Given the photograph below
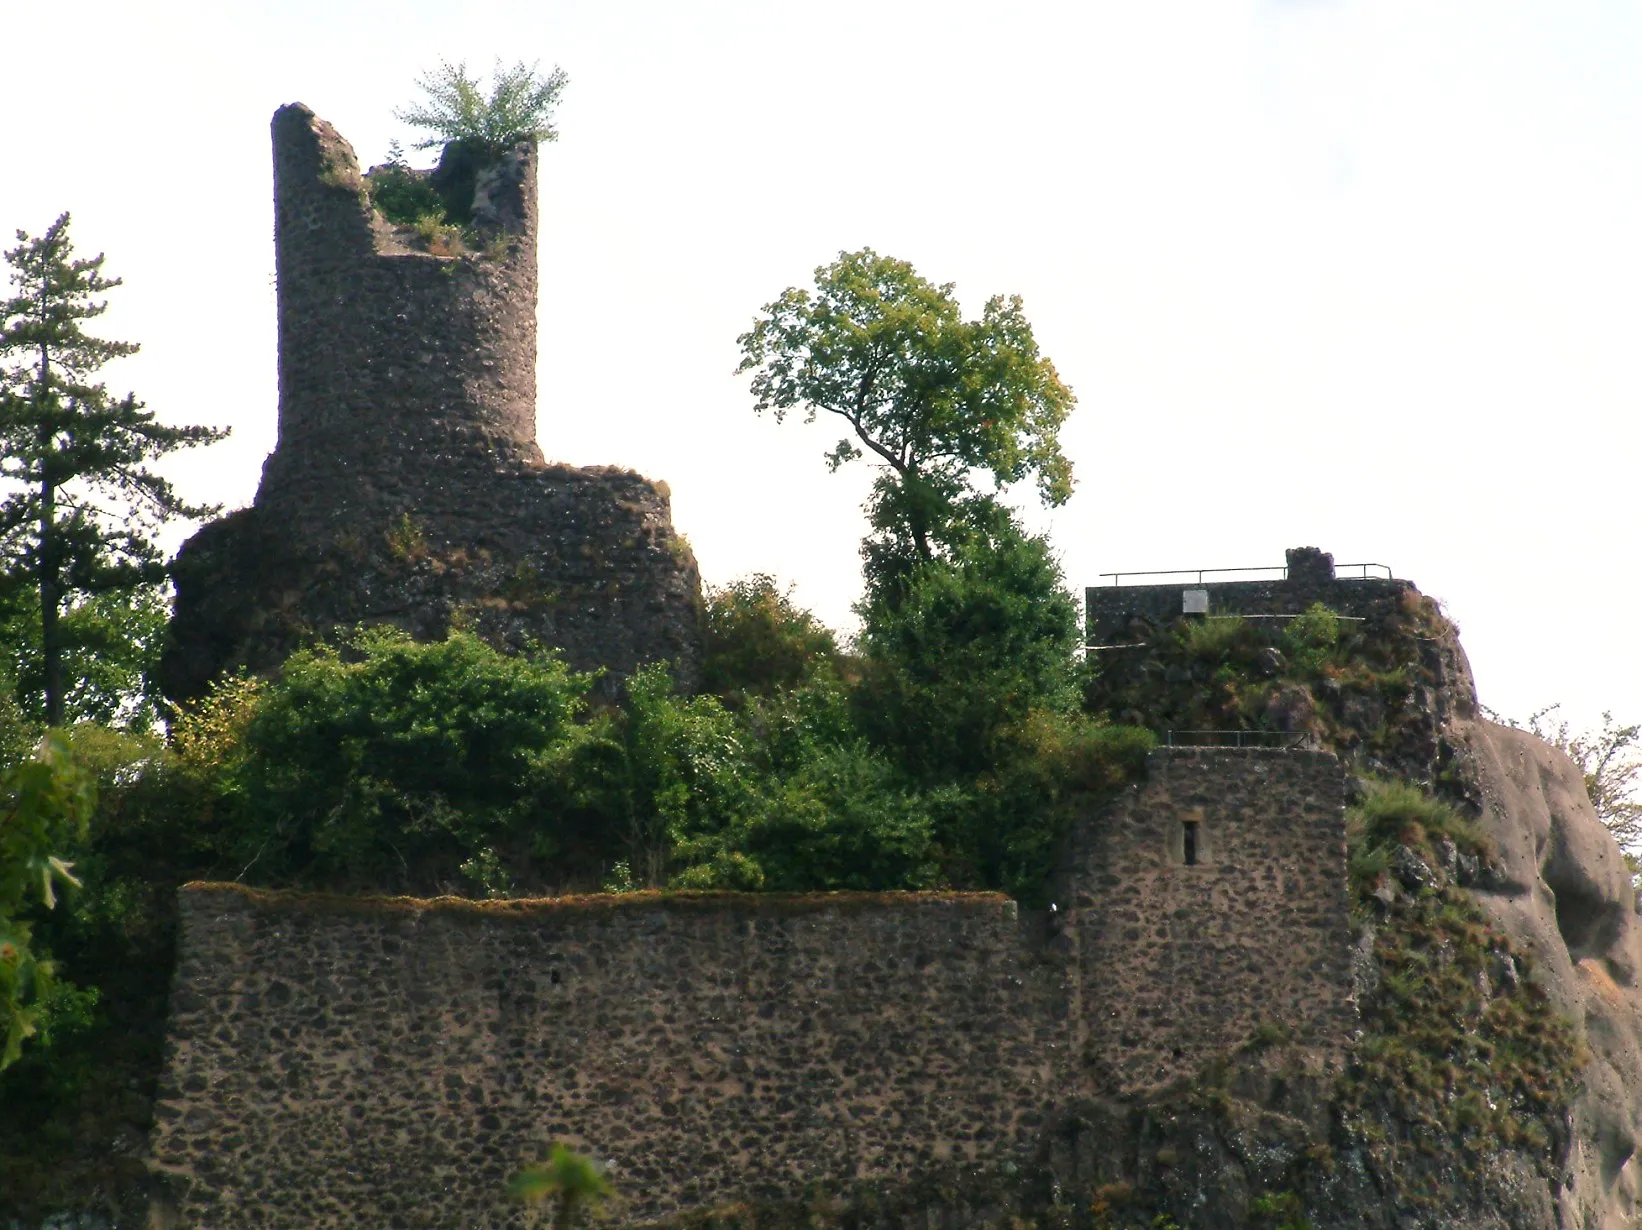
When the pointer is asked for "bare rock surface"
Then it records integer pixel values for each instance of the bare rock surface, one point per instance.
(1567, 895)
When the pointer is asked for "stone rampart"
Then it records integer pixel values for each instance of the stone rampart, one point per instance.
(339, 1062)
(347, 1063)
(1209, 902)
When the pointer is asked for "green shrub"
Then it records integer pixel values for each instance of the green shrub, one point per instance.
(660, 771)
(519, 106)
(1312, 638)
(1395, 812)
(400, 194)
(960, 652)
(756, 642)
(388, 763)
(845, 819)
(45, 807)
(1213, 638)
(1100, 756)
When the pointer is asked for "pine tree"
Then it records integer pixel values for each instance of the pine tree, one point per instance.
(82, 504)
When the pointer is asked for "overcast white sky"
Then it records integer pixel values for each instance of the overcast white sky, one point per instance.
(1359, 274)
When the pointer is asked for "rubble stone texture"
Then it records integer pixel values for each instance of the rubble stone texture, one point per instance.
(407, 487)
(1184, 961)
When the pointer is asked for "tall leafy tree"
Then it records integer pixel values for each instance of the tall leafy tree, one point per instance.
(936, 400)
(83, 503)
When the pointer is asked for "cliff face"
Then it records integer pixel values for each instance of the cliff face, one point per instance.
(1567, 897)
(1560, 890)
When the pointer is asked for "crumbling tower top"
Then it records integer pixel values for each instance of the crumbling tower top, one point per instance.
(395, 362)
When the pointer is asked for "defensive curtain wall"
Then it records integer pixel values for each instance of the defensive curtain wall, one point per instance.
(407, 486)
(338, 1062)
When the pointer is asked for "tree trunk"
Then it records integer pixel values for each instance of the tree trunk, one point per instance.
(51, 651)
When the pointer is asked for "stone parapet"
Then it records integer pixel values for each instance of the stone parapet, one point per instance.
(1117, 614)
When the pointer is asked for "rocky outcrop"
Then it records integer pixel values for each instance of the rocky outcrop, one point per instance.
(1567, 897)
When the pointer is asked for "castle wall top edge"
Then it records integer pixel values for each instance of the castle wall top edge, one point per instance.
(287, 900)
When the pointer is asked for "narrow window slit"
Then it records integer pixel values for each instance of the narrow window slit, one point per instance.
(1189, 842)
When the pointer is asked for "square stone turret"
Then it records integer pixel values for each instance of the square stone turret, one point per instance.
(407, 486)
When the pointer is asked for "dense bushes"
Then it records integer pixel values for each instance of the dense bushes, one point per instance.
(390, 763)
(938, 757)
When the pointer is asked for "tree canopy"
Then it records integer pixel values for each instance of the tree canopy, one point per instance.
(83, 503)
(935, 399)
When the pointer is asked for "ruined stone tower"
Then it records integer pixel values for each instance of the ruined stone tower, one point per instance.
(407, 486)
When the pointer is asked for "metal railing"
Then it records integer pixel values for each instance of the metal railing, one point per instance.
(1230, 738)
(1276, 572)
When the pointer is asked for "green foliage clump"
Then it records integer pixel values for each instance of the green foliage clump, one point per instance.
(757, 642)
(109, 646)
(572, 1180)
(1313, 639)
(1215, 638)
(957, 654)
(1394, 812)
(657, 770)
(1278, 1211)
(45, 808)
(388, 762)
(841, 817)
(410, 198)
(400, 193)
(518, 107)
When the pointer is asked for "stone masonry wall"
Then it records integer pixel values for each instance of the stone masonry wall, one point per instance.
(339, 1062)
(407, 487)
(1180, 962)
(1117, 613)
(394, 359)
(390, 1064)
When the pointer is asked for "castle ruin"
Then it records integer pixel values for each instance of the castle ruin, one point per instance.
(335, 1062)
(338, 1062)
(407, 487)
